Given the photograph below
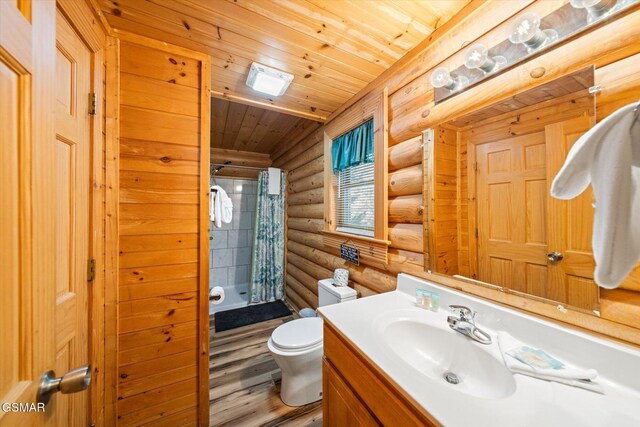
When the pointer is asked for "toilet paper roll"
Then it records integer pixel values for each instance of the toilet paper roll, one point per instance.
(216, 295)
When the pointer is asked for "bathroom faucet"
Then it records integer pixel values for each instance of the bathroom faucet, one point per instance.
(466, 325)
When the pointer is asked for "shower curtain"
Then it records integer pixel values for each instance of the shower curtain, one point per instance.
(267, 264)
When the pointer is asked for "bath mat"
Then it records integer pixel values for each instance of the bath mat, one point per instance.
(231, 319)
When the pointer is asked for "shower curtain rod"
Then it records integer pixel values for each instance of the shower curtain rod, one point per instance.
(222, 165)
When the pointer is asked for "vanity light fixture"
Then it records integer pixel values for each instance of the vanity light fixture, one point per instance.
(595, 8)
(527, 35)
(268, 80)
(442, 78)
(526, 30)
(478, 57)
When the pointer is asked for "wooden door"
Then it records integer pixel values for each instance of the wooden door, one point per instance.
(26, 264)
(512, 213)
(72, 159)
(571, 221)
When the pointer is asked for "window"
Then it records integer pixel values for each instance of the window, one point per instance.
(355, 179)
(355, 199)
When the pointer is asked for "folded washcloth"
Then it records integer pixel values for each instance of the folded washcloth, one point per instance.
(521, 359)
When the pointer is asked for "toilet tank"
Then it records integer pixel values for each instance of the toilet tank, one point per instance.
(329, 294)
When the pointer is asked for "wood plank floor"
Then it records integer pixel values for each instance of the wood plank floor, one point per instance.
(244, 381)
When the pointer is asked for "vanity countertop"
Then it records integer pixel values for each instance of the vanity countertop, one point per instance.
(485, 396)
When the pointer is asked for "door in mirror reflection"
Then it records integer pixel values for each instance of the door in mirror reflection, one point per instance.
(511, 182)
(526, 240)
(570, 225)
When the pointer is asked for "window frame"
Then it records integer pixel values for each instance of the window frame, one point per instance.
(351, 228)
(374, 106)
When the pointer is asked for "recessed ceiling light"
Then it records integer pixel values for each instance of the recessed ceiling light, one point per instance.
(268, 80)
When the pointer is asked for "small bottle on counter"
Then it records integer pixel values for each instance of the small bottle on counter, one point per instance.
(427, 300)
(435, 301)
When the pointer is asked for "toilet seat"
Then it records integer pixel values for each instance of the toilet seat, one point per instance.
(299, 334)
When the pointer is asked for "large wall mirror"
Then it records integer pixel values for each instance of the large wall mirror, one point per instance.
(491, 218)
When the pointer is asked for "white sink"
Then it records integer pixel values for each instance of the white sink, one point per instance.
(415, 347)
(445, 356)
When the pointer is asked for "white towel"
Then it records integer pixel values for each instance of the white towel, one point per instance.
(568, 375)
(608, 157)
(274, 181)
(220, 206)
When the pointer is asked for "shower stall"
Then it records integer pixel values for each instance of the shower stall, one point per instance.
(247, 253)
(232, 244)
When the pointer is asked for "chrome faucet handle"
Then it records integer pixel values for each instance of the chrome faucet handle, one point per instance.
(466, 314)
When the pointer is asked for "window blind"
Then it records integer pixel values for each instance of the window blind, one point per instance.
(355, 199)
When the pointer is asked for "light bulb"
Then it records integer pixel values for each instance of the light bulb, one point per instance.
(442, 78)
(595, 8)
(478, 57)
(526, 30)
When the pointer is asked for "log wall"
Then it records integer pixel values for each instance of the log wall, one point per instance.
(308, 260)
(612, 48)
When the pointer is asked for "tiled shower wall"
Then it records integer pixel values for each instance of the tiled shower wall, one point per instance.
(231, 244)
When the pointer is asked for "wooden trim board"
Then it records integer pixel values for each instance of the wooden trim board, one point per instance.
(267, 106)
(112, 185)
(203, 255)
(428, 197)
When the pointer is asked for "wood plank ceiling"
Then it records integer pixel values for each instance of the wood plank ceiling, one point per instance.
(332, 47)
(236, 126)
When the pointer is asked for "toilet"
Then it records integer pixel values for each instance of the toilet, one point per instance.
(296, 347)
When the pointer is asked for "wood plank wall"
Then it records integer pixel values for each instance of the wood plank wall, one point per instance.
(614, 50)
(163, 151)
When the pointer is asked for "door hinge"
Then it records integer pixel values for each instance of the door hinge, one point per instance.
(91, 270)
(475, 166)
(476, 232)
(93, 103)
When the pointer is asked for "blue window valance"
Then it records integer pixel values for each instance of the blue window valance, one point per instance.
(353, 148)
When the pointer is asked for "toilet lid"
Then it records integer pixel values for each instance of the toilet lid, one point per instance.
(298, 334)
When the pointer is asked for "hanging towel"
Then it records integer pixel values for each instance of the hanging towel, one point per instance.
(274, 181)
(536, 363)
(608, 157)
(220, 206)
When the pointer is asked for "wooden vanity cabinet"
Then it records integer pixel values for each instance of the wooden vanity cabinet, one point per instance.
(357, 393)
(342, 407)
